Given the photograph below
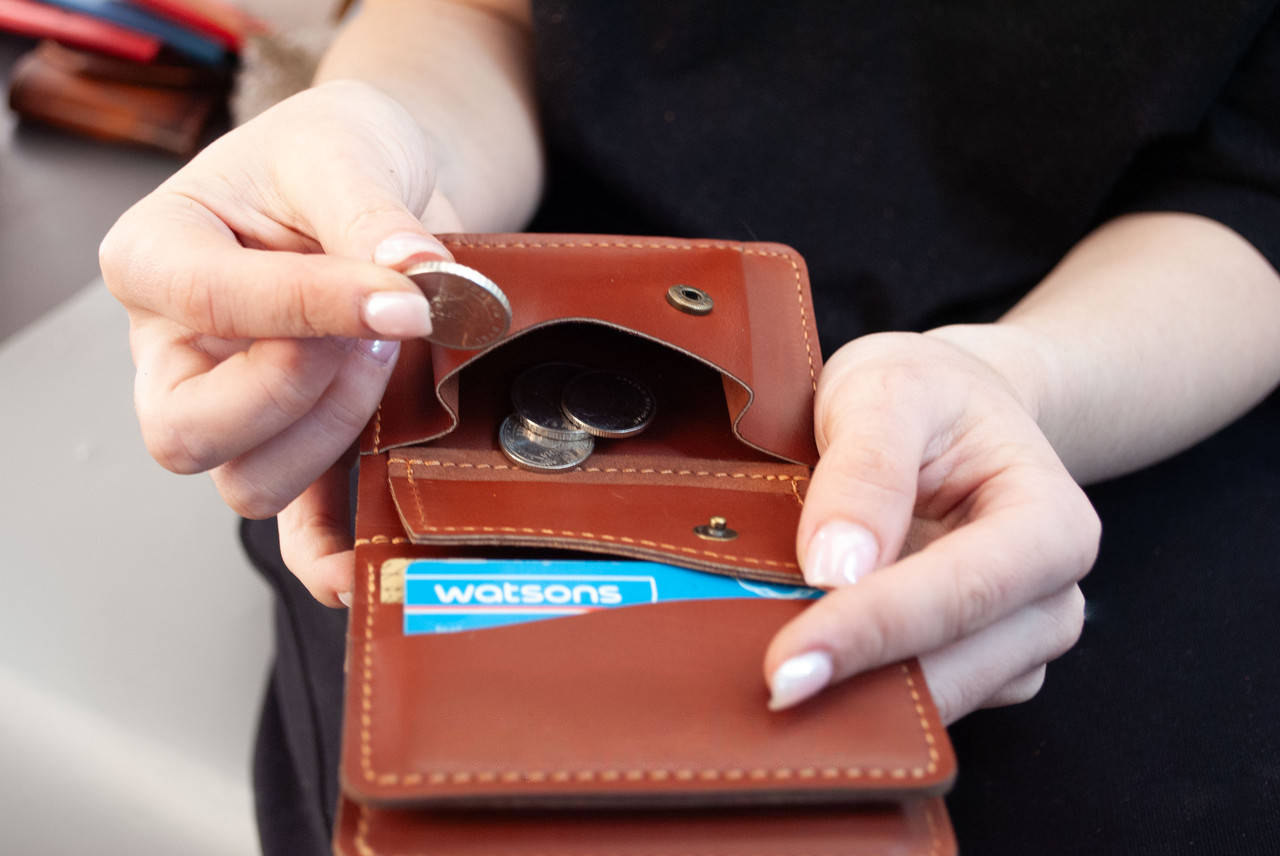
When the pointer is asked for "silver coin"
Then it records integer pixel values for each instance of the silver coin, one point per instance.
(608, 404)
(468, 310)
(536, 396)
(535, 452)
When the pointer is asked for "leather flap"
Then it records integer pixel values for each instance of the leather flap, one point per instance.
(643, 508)
(760, 337)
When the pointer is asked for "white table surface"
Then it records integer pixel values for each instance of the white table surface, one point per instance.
(134, 636)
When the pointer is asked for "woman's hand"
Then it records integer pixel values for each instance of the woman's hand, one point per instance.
(945, 524)
(264, 306)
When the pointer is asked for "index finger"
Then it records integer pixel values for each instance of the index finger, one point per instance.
(172, 256)
(1036, 533)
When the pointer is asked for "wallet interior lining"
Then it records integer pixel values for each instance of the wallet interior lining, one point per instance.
(692, 418)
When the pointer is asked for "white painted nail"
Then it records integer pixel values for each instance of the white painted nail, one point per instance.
(344, 597)
(840, 553)
(398, 314)
(402, 247)
(799, 678)
(381, 351)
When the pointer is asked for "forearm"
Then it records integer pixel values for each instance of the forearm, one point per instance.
(1155, 331)
(465, 72)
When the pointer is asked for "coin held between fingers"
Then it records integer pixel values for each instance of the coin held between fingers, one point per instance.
(468, 310)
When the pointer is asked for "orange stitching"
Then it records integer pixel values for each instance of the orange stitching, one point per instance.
(650, 245)
(463, 465)
(795, 491)
(377, 428)
(366, 690)
(383, 539)
(591, 245)
(534, 776)
(934, 841)
(606, 538)
(929, 743)
(362, 833)
(417, 497)
(538, 776)
(804, 318)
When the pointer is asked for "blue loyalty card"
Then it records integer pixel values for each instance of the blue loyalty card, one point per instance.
(451, 595)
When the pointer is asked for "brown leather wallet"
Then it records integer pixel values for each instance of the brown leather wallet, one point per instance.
(640, 729)
(94, 96)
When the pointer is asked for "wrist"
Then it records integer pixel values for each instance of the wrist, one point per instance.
(1016, 355)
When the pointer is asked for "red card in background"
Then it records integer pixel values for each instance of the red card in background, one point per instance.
(28, 18)
(219, 20)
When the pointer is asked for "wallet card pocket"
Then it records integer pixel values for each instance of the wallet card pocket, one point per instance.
(659, 704)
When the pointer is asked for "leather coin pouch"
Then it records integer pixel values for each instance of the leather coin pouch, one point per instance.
(617, 713)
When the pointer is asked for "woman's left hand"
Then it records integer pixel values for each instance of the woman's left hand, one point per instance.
(938, 495)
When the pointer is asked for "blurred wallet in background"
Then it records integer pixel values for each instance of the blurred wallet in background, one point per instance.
(157, 104)
(635, 730)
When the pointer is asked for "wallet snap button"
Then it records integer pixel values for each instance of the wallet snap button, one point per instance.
(688, 299)
(716, 529)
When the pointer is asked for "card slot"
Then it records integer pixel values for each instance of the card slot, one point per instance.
(628, 706)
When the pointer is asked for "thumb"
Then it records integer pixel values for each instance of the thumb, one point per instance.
(368, 222)
(365, 218)
(372, 209)
(859, 504)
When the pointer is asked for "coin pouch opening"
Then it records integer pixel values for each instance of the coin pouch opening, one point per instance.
(733, 435)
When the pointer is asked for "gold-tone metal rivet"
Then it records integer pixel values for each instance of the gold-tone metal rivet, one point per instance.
(686, 298)
(716, 529)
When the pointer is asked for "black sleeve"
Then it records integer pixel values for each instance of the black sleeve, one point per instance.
(1229, 168)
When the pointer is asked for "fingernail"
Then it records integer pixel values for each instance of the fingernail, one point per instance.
(381, 351)
(799, 678)
(840, 553)
(396, 250)
(344, 597)
(398, 314)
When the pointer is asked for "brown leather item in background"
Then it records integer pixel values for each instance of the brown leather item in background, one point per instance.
(163, 71)
(602, 722)
(47, 89)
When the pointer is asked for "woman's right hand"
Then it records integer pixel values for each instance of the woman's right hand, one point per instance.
(265, 309)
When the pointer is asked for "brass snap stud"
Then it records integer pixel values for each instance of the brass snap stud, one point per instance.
(716, 529)
(686, 298)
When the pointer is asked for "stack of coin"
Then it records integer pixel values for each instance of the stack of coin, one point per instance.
(560, 408)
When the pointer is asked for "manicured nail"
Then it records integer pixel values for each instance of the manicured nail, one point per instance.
(381, 351)
(344, 597)
(398, 314)
(402, 247)
(840, 553)
(799, 678)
